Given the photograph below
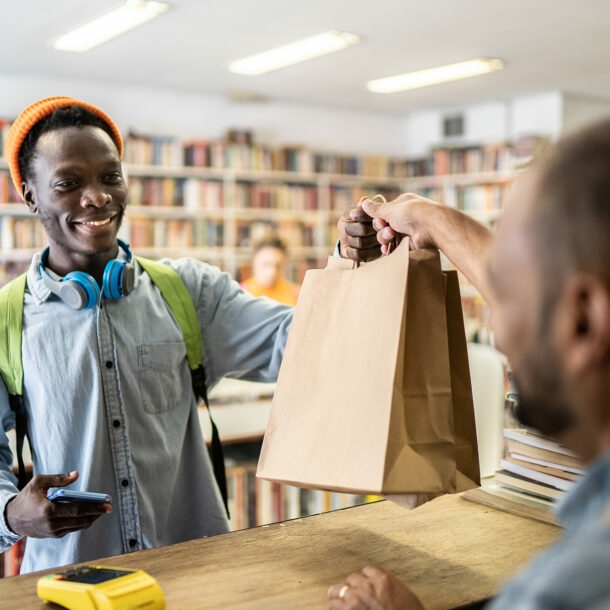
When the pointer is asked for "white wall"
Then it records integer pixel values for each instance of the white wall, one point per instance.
(578, 111)
(539, 114)
(482, 122)
(189, 115)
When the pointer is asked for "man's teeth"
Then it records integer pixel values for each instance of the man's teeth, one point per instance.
(97, 223)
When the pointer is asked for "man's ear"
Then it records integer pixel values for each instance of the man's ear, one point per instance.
(29, 197)
(584, 322)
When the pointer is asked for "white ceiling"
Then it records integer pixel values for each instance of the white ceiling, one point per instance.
(546, 45)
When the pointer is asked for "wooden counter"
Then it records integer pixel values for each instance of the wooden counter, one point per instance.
(450, 551)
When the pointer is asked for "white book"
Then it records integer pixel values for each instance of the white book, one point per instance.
(517, 495)
(536, 475)
(536, 441)
(539, 462)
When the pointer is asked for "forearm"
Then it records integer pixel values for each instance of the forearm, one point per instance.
(464, 241)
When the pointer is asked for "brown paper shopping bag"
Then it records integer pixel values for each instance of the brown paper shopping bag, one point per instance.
(363, 401)
(466, 448)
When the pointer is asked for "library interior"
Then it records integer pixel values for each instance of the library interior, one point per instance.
(295, 285)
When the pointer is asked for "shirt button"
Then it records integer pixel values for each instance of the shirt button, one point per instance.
(124, 482)
(116, 423)
(108, 364)
(133, 542)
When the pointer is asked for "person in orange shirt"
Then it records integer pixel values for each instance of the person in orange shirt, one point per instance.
(268, 272)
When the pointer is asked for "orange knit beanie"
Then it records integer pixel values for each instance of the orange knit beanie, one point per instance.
(33, 114)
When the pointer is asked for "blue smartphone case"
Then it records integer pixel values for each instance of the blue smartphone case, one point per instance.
(71, 495)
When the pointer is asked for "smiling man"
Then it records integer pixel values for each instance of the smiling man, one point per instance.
(107, 386)
(546, 277)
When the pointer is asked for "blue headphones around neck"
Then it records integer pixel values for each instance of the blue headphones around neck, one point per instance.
(78, 290)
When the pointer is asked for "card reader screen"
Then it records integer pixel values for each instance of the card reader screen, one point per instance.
(92, 575)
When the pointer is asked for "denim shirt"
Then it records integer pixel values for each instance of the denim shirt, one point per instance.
(108, 392)
(573, 574)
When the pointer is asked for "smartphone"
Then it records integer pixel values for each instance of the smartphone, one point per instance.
(71, 495)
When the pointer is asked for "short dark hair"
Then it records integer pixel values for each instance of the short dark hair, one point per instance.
(68, 116)
(570, 218)
(270, 242)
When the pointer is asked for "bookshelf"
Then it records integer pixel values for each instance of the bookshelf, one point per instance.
(241, 410)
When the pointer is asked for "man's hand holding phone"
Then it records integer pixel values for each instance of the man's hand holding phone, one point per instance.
(32, 513)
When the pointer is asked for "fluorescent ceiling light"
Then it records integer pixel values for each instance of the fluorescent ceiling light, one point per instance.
(293, 53)
(434, 76)
(114, 23)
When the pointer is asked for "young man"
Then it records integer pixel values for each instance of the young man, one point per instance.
(546, 276)
(107, 385)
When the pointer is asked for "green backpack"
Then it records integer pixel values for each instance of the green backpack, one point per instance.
(175, 293)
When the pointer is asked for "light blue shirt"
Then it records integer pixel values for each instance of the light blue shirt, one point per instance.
(108, 392)
(573, 574)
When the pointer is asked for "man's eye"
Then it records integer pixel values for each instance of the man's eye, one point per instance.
(65, 184)
(114, 177)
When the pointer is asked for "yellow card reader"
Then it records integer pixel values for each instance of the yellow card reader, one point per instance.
(102, 588)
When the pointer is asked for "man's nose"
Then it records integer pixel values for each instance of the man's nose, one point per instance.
(96, 195)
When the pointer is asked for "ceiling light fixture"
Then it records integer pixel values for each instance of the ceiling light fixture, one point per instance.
(130, 15)
(293, 53)
(434, 76)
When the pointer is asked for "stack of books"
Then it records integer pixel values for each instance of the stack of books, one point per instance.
(535, 472)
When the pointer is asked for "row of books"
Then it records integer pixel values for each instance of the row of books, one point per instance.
(254, 501)
(8, 192)
(18, 233)
(472, 159)
(206, 233)
(176, 192)
(210, 194)
(535, 472)
(152, 150)
(295, 234)
(276, 196)
(470, 198)
(173, 233)
(220, 154)
(223, 154)
(194, 193)
(4, 127)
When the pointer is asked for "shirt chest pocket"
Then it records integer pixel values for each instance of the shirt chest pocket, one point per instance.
(162, 373)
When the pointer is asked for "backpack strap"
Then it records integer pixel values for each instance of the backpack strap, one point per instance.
(11, 367)
(176, 295)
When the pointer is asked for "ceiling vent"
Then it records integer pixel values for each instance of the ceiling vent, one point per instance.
(453, 126)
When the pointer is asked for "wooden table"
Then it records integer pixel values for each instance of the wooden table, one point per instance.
(450, 551)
